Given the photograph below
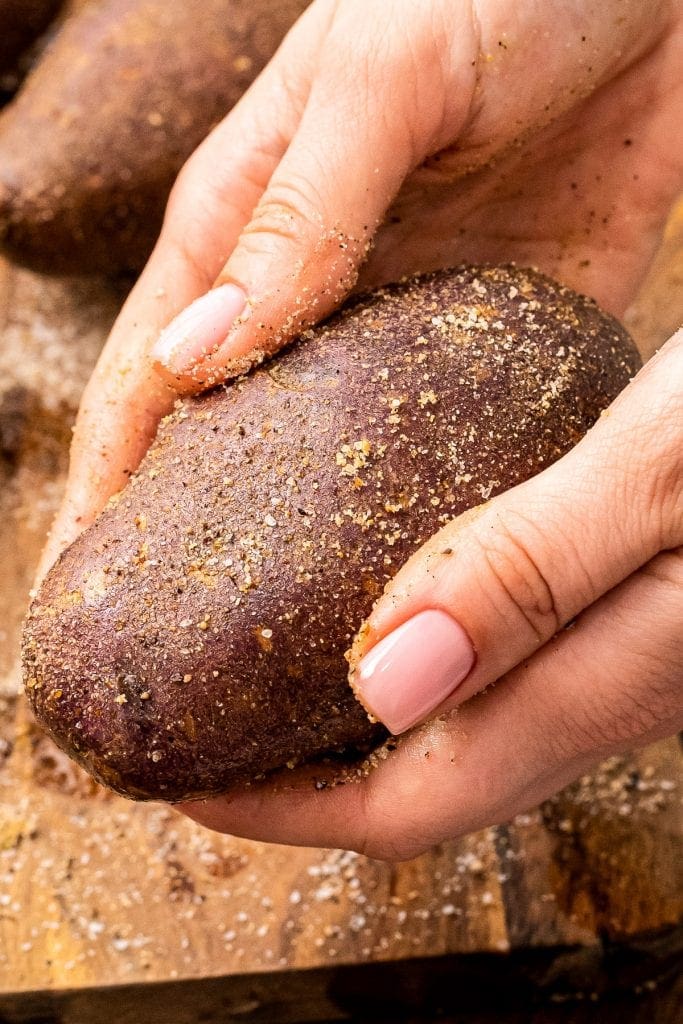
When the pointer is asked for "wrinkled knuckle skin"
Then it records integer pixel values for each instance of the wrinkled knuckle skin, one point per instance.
(291, 211)
(519, 577)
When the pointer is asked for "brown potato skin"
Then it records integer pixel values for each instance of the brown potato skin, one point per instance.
(21, 21)
(193, 638)
(91, 146)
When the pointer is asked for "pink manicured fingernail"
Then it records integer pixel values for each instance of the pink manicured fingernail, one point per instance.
(412, 670)
(199, 329)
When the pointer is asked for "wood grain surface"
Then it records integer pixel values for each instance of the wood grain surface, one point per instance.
(98, 892)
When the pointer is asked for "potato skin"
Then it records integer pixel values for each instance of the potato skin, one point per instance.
(90, 147)
(193, 638)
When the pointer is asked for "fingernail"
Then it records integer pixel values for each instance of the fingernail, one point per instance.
(409, 673)
(200, 329)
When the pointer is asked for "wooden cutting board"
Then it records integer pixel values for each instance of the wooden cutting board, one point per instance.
(96, 891)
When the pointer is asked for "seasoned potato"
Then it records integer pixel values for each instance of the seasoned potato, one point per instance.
(193, 638)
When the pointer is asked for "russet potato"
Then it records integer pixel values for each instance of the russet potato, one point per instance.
(90, 147)
(193, 639)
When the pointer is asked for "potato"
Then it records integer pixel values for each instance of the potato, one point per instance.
(193, 638)
(20, 22)
(90, 147)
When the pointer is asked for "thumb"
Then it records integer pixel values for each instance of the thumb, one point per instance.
(497, 583)
(372, 114)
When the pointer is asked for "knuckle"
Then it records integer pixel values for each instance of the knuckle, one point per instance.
(413, 58)
(291, 210)
(518, 576)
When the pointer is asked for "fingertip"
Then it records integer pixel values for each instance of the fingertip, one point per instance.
(197, 332)
(411, 672)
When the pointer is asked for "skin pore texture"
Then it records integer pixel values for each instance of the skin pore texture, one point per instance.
(373, 147)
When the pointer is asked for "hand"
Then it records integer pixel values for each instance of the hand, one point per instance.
(479, 131)
(595, 541)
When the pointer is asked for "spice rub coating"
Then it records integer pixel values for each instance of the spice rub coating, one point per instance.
(193, 639)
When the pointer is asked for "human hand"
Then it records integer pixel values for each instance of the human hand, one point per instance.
(487, 131)
(595, 541)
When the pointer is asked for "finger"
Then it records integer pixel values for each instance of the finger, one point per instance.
(612, 681)
(494, 586)
(210, 203)
(411, 93)
(379, 103)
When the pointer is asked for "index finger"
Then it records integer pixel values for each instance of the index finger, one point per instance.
(212, 200)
